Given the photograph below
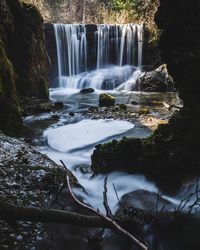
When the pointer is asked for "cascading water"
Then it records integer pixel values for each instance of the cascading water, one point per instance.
(103, 45)
(118, 55)
(71, 50)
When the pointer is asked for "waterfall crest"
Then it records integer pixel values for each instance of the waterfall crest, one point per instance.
(117, 45)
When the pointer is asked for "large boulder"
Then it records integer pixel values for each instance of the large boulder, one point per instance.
(157, 80)
(143, 200)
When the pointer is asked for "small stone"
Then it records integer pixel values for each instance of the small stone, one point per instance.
(87, 91)
(55, 117)
(123, 106)
(19, 238)
(134, 103)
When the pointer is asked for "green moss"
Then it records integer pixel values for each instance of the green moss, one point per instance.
(23, 61)
(106, 100)
(169, 157)
(123, 106)
(10, 120)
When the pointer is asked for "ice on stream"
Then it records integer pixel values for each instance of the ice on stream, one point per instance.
(85, 133)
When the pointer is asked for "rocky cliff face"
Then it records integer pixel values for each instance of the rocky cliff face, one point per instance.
(23, 60)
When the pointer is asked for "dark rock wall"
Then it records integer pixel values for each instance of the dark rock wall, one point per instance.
(23, 60)
(180, 45)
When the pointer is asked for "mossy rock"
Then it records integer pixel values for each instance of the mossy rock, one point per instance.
(23, 61)
(123, 106)
(173, 148)
(10, 120)
(144, 111)
(106, 100)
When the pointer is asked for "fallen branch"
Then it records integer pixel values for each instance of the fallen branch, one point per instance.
(111, 222)
(105, 200)
(17, 213)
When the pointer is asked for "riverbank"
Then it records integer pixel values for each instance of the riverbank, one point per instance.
(29, 179)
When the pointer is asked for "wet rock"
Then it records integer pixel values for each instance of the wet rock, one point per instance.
(87, 91)
(71, 114)
(106, 100)
(93, 108)
(55, 117)
(134, 103)
(33, 105)
(83, 168)
(144, 111)
(57, 105)
(157, 80)
(143, 200)
(123, 106)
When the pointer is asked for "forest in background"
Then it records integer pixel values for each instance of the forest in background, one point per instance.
(97, 11)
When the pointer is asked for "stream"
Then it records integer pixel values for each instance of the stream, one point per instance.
(72, 139)
(72, 135)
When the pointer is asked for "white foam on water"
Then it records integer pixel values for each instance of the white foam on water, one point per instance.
(123, 182)
(104, 79)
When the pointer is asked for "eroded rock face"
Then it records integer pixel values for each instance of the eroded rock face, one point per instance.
(23, 61)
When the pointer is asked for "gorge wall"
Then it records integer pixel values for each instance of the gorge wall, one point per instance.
(23, 60)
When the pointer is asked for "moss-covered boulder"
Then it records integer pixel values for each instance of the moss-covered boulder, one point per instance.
(106, 100)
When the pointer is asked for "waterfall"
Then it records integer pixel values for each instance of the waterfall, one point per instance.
(71, 47)
(102, 45)
(116, 45)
